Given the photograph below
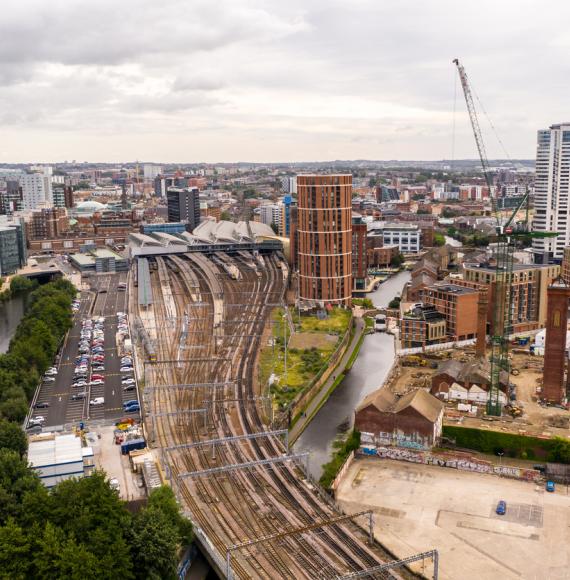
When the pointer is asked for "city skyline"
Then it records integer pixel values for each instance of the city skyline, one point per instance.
(264, 82)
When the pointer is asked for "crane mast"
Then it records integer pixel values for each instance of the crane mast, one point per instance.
(502, 322)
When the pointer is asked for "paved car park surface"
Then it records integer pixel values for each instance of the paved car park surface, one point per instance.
(421, 507)
(103, 300)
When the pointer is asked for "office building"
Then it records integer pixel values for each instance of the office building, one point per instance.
(183, 206)
(47, 223)
(36, 189)
(12, 247)
(271, 213)
(406, 236)
(289, 184)
(551, 192)
(325, 238)
(11, 199)
(151, 171)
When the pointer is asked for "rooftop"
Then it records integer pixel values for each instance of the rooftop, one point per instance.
(46, 451)
(420, 400)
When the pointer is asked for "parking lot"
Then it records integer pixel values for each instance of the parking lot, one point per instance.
(420, 507)
(103, 301)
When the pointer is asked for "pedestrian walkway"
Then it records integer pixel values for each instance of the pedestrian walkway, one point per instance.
(323, 394)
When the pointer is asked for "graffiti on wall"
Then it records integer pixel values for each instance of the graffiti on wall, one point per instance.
(457, 460)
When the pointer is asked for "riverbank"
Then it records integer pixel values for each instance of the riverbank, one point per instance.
(334, 379)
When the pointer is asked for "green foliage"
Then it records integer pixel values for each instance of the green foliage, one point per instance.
(12, 437)
(397, 261)
(492, 442)
(559, 451)
(226, 216)
(395, 302)
(21, 284)
(364, 302)
(34, 345)
(82, 529)
(438, 239)
(343, 449)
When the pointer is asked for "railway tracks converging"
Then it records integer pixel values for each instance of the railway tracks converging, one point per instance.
(208, 319)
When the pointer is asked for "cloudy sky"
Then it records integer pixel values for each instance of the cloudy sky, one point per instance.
(276, 80)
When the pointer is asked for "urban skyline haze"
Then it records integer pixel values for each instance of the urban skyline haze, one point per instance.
(263, 81)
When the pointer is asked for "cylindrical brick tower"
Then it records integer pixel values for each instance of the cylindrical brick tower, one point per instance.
(325, 238)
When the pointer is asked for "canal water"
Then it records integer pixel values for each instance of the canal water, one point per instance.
(367, 374)
(11, 312)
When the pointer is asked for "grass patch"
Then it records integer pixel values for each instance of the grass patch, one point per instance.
(342, 451)
(303, 364)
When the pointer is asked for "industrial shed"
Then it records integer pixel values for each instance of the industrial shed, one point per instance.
(413, 420)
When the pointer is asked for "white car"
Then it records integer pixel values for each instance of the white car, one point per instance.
(127, 382)
(49, 379)
(97, 401)
(97, 382)
(39, 420)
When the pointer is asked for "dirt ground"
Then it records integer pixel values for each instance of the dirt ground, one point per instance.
(536, 419)
(303, 340)
(419, 508)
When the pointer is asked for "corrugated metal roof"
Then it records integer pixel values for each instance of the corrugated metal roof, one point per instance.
(57, 451)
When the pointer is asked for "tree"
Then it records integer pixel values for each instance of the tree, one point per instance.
(560, 451)
(154, 543)
(21, 284)
(438, 239)
(163, 498)
(15, 552)
(395, 302)
(397, 261)
(225, 216)
(12, 437)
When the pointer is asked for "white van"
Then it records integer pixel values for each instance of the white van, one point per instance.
(97, 401)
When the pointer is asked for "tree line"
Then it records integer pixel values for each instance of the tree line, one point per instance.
(80, 529)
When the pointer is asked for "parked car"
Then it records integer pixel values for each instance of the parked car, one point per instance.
(81, 383)
(501, 508)
(49, 379)
(132, 409)
(126, 369)
(131, 402)
(98, 368)
(129, 387)
(97, 376)
(51, 372)
(128, 381)
(39, 420)
(78, 396)
(42, 405)
(97, 401)
(97, 382)
(550, 486)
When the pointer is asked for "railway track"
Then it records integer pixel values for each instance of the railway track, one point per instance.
(206, 360)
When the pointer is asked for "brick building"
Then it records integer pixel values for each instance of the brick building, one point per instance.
(423, 326)
(413, 420)
(324, 237)
(359, 253)
(47, 223)
(458, 305)
(528, 286)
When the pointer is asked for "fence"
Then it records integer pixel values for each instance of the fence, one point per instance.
(347, 463)
(435, 347)
(453, 460)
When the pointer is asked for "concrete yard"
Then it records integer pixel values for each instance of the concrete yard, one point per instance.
(420, 507)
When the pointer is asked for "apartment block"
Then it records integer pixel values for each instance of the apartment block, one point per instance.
(359, 255)
(422, 326)
(458, 305)
(528, 286)
(325, 238)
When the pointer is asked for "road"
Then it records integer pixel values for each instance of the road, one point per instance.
(102, 300)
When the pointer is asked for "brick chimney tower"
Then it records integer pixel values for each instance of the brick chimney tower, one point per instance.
(555, 344)
(482, 304)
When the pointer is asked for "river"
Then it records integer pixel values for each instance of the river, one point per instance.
(11, 313)
(367, 374)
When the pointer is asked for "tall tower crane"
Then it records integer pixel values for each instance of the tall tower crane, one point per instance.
(505, 244)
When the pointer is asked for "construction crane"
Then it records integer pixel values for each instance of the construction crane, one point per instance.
(506, 237)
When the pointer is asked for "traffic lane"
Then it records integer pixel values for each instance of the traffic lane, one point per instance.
(61, 393)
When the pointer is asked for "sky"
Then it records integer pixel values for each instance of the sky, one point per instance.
(264, 80)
